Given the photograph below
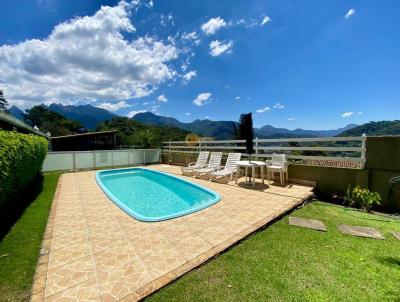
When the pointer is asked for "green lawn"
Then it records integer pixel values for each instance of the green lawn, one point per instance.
(20, 248)
(284, 263)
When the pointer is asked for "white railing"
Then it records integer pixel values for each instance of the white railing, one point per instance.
(340, 152)
(78, 160)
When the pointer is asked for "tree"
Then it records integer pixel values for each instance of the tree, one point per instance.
(246, 131)
(134, 133)
(49, 121)
(3, 102)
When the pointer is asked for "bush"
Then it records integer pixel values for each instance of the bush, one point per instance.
(21, 158)
(362, 198)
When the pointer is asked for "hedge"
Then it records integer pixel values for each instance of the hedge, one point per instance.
(21, 159)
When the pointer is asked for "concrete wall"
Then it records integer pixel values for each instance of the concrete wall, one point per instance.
(383, 162)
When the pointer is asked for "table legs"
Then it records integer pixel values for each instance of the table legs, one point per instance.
(262, 174)
(253, 175)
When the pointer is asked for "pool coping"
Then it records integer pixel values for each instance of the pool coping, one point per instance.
(131, 212)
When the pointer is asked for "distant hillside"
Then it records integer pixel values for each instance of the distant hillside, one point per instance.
(227, 129)
(270, 131)
(216, 129)
(16, 112)
(88, 115)
(91, 117)
(375, 129)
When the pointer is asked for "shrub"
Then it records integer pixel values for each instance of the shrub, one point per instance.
(362, 198)
(21, 158)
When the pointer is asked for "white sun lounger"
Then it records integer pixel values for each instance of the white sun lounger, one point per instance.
(213, 164)
(230, 167)
(200, 163)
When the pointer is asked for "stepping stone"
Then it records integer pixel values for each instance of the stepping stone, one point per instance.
(360, 231)
(307, 223)
(396, 234)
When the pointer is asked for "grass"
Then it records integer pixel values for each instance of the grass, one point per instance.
(19, 249)
(283, 263)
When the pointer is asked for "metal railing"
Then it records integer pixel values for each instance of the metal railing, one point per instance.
(340, 152)
(79, 160)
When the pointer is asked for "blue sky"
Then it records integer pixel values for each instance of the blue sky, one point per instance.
(294, 64)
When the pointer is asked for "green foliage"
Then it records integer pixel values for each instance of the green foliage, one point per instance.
(362, 198)
(3, 102)
(49, 121)
(375, 128)
(139, 135)
(19, 249)
(21, 158)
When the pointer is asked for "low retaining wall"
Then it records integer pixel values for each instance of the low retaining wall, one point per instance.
(81, 160)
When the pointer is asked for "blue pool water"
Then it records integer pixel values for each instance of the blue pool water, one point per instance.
(150, 195)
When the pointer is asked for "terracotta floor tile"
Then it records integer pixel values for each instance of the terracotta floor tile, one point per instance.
(68, 254)
(86, 291)
(69, 275)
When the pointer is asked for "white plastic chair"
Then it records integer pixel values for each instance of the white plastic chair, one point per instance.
(200, 163)
(230, 167)
(213, 164)
(279, 164)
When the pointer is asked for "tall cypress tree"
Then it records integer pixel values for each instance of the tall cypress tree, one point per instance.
(246, 131)
(3, 102)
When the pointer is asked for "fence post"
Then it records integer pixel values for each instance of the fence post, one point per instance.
(94, 159)
(256, 148)
(169, 153)
(73, 162)
(363, 152)
(112, 159)
(144, 156)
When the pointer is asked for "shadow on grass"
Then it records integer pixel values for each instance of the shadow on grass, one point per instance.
(12, 210)
(392, 261)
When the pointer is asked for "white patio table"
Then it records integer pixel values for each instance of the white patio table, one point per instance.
(253, 164)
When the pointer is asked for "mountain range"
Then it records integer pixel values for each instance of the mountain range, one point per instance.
(226, 129)
(91, 116)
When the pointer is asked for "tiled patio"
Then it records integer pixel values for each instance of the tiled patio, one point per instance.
(93, 251)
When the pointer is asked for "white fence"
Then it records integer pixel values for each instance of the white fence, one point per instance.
(77, 160)
(339, 152)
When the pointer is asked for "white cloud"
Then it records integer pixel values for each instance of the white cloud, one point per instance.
(265, 20)
(291, 119)
(347, 114)
(350, 13)
(201, 99)
(134, 112)
(359, 112)
(162, 98)
(217, 48)
(237, 98)
(213, 25)
(188, 113)
(87, 59)
(154, 108)
(166, 19)
(112, 107)
(192, 37)
(150, 4)
(279, 106)
(262, 110)
(188, 76)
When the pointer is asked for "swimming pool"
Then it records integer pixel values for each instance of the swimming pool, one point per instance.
(149, 195)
